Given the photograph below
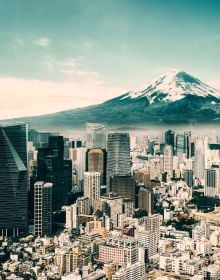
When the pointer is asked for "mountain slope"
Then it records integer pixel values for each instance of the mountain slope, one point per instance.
(175, 98)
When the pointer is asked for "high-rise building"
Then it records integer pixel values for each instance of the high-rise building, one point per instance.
(96, 135)
(13, 179)
(56, 145)
(180, 145)
(118, 157)
(212, 181)
(42, 208)
(188, 177)
(72, 219)
(124, 186)
(168, 160)
(170, 138)
(183, 144)
(199, 164)
(187, 143)
(152, 225)
(51, 167)
(92, 186)
(96, 160)
(146, 200)
(148, 240)
(78, 157)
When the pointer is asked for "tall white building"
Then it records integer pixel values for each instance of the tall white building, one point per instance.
(151, 224)
(42, 208)
(149, 240)
(199, 164)
(92, 186)
(83, 205)
(72, 217)
(168, 160)
(78, 157)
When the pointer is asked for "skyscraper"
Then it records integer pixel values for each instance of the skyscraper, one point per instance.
(118, 157)
(124, 186)
(168, 160)
(13, 179)
(188, 177)
(180, 144)
(95, 135)
(56, 145)
(146, 200)
(212, 181)
(187, 143)
(199, 165)
(92, 186)
(42, 208)
(72, 219)
(170, 138)
(53, 168)
(78, 157)
(96, 160)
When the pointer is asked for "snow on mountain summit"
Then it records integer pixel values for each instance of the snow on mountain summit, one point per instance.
(173, 86)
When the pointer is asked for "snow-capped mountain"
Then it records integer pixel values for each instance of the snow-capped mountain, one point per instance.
(174, 86)
(174, 98)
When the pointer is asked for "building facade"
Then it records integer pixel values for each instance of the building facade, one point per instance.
(13, 179)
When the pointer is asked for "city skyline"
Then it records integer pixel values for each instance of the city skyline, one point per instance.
(58, 56)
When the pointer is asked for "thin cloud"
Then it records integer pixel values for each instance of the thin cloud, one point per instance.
(42, 42)
(88, 43)
(22, 97)
(19, 41)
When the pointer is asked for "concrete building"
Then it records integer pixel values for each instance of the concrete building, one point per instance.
(188, 177)
(119, 250)
(149, 240)
(135, 271)
(124, 186)
(146, 200)
(42, 208)
(212, 181)
(168, 160)
(72, 217)
(92, 186)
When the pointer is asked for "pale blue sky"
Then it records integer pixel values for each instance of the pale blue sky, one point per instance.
(73, 53)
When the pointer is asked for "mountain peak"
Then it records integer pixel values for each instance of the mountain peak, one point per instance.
(173, 86)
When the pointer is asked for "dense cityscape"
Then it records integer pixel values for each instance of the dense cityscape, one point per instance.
(109, 205)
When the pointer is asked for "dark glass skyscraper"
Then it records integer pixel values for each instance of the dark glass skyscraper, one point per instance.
(170, 138)
(56, 145)
(118, 155)
(54, 169)
(13, 179)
